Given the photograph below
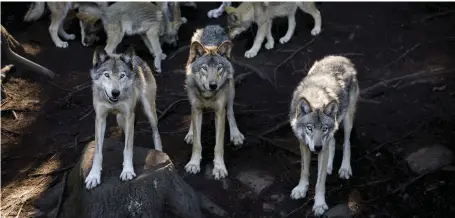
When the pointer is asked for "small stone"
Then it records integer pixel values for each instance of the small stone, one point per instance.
(268, 207)
(338, 211)
(277, 198)
(429, 159)
(255, 180)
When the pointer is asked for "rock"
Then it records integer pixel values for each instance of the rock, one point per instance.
(278, 198)
(429, 159)
(268, 207)
(338, 211)
(156, 191)
(255, 180)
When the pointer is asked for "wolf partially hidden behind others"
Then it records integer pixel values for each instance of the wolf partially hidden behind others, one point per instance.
(210, 84)
(326, 97)
(118, 83)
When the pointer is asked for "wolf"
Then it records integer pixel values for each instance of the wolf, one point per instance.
(117, 84)
(326, 97)
(154, 23)
(263, 13)
(210, 84)
(59, 11)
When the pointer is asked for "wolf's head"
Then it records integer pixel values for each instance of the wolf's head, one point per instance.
(90, 21)
(239, 19)
(210, 65)
(173, 22)
(114, 76)
(314, 127)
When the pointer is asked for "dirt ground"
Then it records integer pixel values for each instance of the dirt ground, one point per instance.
(52, 121)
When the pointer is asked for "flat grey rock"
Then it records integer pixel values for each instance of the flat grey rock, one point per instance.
(338, 211)
(257, 181)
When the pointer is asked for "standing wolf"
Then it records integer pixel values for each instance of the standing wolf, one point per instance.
(210, 84)
(138, 18)
(117, 84)
(326, 97)
(263, 13)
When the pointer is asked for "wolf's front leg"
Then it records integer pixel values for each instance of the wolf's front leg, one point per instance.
(196, 121)
(301, 189)
(270, 41)
(148, 103)
(128, 168)
(236, 136)
(320, 206)
(93, 179)
(55, 28)
(219, 168)
(260, 36)
(291, 28)
(154, 39)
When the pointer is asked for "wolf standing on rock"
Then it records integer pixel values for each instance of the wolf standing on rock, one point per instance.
(210, 84)
(117, 84)
(326, 97)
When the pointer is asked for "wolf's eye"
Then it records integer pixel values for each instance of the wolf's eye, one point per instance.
(220, 68)
(106, 75)
(122, 75)
(324, 129)
(204, 68)
(309, 128)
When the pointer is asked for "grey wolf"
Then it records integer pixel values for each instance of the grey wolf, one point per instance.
(217, 12)
(59, 10)
(210, 84)
(154, 23)
(118, 83)
(263, 13)
(326, 97)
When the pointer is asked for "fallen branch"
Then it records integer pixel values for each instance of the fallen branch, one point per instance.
(170, 107)
(437, 15)
(180, 50)
(254, 69)
(401, 56)
(64, 169)
(275, 144)
(275, 128)
(290, 57)
(386, 82)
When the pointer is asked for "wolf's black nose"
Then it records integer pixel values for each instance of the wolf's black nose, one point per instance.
(212, 86)
(115, 93)
(318, 148)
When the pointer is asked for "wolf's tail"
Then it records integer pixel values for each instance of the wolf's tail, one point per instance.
(35, 11)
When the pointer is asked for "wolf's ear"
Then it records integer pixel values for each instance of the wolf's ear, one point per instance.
(225, 49)
(196, 50)
(99, 56)
(128, 55)
(305, 107)
(233, 17)
(331, 109)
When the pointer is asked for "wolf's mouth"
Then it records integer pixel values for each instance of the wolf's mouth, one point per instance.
(111, 99)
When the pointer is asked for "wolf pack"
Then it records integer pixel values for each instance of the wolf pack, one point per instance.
(325, 98)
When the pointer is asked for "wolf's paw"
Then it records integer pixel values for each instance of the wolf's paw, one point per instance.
(189, 138)
(319, 208)
(215, 13)
(61, 44)
(250, 53)
(70, 37)
(269, 45)
(284, 39)
(193, 167)
(329, 169)
(299, 192)
(345, 171)
(237, 137)
(163, 56)
(184, 20)
(93, 179)
(219, 171)
(127, 174)
(316, 31)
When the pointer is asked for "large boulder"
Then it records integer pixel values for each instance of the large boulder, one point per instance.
(157, 191)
